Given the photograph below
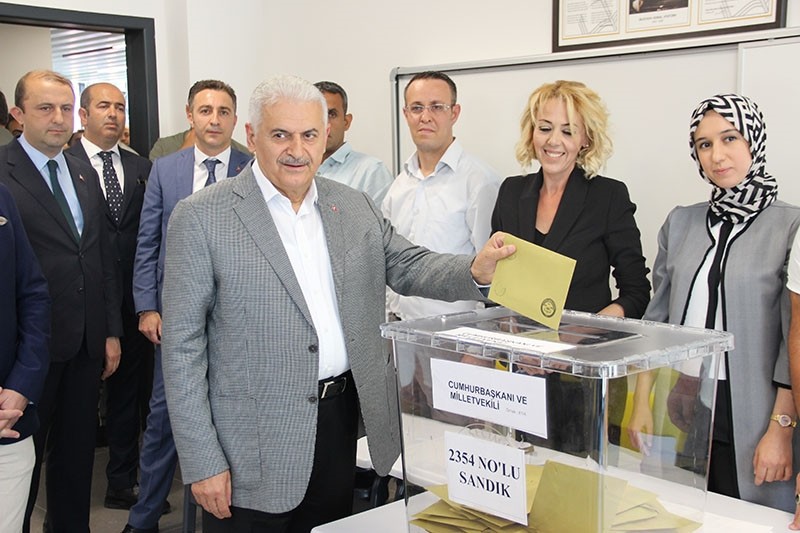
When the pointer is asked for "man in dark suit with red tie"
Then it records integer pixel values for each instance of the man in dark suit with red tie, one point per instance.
(63, 211)
(123, 176)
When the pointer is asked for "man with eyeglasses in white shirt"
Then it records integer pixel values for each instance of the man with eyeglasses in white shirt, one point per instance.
(444, 197)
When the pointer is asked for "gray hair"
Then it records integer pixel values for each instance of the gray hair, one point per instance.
(284, 87)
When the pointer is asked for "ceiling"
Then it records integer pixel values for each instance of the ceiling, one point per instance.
(87, 57)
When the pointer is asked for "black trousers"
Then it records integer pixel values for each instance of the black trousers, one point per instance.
(722, 472)
(127, 396)
(66, 441)
(329, 495)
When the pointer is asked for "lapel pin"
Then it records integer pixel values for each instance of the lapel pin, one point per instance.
(80, 177)
(333, 208)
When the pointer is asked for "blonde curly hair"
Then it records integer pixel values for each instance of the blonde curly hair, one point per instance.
(580, 101)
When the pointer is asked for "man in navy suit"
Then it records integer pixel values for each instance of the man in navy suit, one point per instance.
(24, 356)
(63, 211)
(123, 176)
(211, 110)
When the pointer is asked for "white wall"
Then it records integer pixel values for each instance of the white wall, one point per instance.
(35, 42)
(171, 46)
(357, 44)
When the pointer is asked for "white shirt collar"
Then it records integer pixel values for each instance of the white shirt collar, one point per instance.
(271, 193)
(341, 153)
(93, 150)
(449, 159)
(223, 157)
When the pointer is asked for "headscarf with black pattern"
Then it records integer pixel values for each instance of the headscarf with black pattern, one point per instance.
(758, 189)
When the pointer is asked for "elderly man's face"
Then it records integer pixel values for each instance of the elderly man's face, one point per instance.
(289, 145)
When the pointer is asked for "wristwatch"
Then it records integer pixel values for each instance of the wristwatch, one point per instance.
(785, 421)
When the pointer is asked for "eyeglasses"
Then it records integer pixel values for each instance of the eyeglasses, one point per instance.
(435, 109)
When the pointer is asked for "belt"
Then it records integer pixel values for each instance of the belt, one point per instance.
(331, 387)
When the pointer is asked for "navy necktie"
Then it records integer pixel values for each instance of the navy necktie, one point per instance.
(210, 164)
(58, 192)
(113, 190)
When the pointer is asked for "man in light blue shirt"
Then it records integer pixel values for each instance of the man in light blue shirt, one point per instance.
(343, 164)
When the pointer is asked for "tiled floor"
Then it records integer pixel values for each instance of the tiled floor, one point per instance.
(112, 521)
(104, 520)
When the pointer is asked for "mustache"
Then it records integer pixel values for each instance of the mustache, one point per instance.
(294, 161)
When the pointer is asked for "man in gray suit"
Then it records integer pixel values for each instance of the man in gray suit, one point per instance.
(273, 297)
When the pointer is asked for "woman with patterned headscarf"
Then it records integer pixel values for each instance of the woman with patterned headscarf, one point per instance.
(721, 265)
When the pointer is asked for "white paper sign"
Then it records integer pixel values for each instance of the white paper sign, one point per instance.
(486, 476)
(505, 339)
(514, 400)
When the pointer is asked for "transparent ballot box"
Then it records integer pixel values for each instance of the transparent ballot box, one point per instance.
(509, 426)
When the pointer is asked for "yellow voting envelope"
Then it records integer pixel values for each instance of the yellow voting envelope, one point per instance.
(533, 282)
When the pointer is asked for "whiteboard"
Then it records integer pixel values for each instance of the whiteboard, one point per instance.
(769, 75)
(650, 97)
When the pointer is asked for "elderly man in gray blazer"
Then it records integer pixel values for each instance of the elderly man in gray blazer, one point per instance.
(273, 296)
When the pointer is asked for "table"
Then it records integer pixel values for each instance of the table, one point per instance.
(722, 512)
(391, 518)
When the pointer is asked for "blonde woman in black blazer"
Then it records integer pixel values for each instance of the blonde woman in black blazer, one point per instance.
(566, 207)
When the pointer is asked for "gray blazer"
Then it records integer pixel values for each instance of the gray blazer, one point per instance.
(755, 309)
(240, 350)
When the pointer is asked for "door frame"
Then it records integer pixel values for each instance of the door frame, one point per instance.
(140, 56)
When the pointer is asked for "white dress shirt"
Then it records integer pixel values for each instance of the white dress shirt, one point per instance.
(448, 211)
(793, 283)
(699, 296)
(93, 151)
(359, 171)
(201, 170)
(303, 237)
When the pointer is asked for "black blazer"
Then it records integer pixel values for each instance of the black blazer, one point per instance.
(123, 234)
(594, 225)
(84, 285)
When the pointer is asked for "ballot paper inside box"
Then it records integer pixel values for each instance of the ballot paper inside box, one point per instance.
(510, 426)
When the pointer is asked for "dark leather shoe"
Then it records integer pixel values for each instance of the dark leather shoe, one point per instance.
(130, 529)
(120, 498)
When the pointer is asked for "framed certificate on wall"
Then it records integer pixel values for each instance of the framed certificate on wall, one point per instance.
(582, 24)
